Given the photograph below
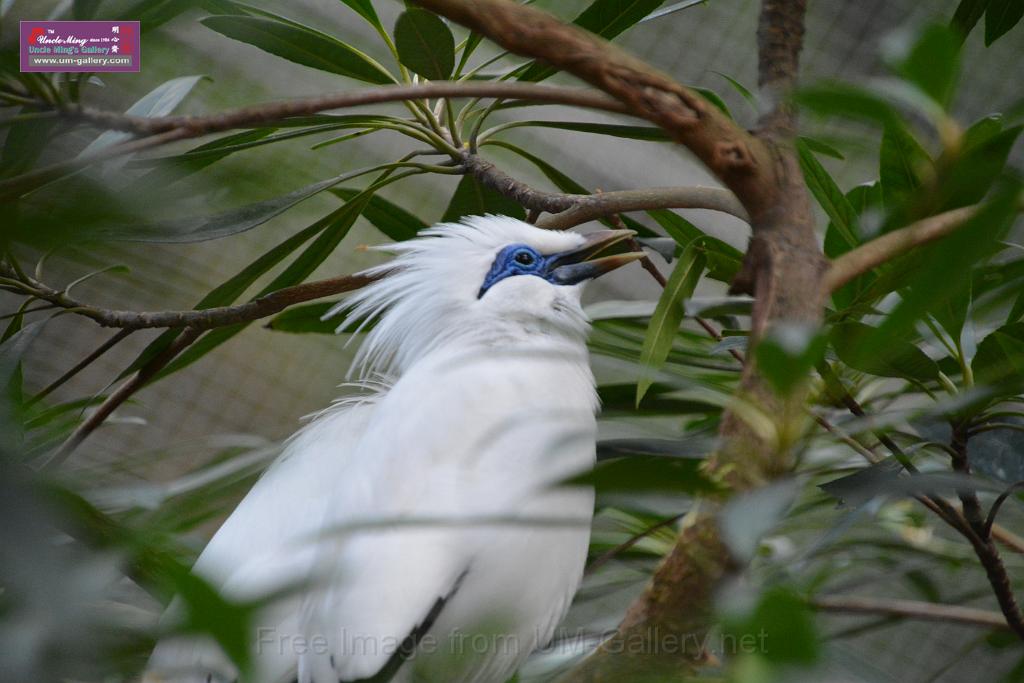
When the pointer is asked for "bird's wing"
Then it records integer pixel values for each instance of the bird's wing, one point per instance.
(264, 545)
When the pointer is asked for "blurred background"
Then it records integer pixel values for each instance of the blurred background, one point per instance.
(255, 389)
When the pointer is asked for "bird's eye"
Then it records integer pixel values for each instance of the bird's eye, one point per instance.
(525, 258)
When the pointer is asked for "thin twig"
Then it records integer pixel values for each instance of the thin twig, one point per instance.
(122, 394)
(611, 554)
(81, 365)
(890, 245)
(998, 503)
(911, 609)
(977, 533)
(206, 318)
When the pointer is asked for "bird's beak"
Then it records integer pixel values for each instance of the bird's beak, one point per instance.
(585, 262)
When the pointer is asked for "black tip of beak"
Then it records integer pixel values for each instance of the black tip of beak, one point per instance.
(577, 265)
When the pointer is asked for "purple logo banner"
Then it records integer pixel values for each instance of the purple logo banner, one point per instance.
(102, 46)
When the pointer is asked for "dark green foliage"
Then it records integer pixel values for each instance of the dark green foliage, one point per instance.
(299, 44)
(425, 44)
(473, 198)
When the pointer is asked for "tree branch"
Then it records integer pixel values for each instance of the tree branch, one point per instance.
(890, 245)
(571, 210)
(262, 114)
(201, 319)
(594, 206)
(979, 536)
(928, 611)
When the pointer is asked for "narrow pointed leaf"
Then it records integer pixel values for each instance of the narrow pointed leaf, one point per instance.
(160, 101)
(820, 147)
(1000, 355)
(902, 162)
(672, 9)
(364, 8)
(966, 17)
(668, 314)
(1000, 17)
(606, 18)
(740, 88)
(648, 133)
(299, 44)
(216, 226)
(386, 216)
(837, 207)
(723, 259)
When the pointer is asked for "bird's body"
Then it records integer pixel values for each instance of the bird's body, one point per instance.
(423, 521)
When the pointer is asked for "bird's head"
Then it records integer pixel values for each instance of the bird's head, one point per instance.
(485, 277)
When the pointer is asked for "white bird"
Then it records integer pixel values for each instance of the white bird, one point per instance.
(421, 521)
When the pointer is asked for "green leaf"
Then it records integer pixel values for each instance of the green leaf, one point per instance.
(966, 17)
(473, 198)
(300, 44)
(15, 343)
(668, 314)
(606, 18)
(902, 162)
(25, 142)
(1000, 355)
(837, 207)
(305, 319)
(648, 133)
(84, 9)
(896, 358)
(820, 147)
(1000, 17)
(160, 101)
(646, 474)
(224, 224)
(863, 198)
(847, 101)
(671, 9)
(150, 14)
(739, 87)
(931, 61)
(364, 8)
(425, 44)
(723, 259)
(389, 218)
(782, 627)
(787, 353)
(976, 168)
(714, 98)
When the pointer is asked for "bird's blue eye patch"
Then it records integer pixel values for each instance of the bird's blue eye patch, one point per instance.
(515, 259)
